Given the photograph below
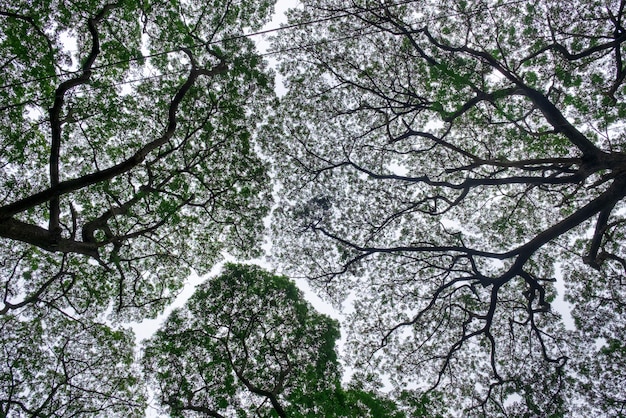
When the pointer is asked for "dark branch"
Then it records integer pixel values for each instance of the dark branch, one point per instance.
(55, 114)
(68, 186)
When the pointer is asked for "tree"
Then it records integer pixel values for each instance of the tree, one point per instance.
(122, 172)
(440, 158)
(127, 159)
(53, 366)
(248, 344)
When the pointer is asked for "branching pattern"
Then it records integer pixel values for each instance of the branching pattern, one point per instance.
(437, 167)
(122, 168)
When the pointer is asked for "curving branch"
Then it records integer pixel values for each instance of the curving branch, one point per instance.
(196, 408)
(36, 296)
(55, 114)
(44, 239)
(470, 183)
(50, 240)
(68, 186)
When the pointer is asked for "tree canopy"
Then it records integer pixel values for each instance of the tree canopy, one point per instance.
(439, 161)
(53, 366)
(248, 344)
(127, 159)
(451, 171)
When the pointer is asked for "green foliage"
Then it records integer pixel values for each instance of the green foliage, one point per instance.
(435, 161)
(247, 343)
(55, 366)
(120, 173)
(423, 405)
(463, 149)
(343, 403)
(123, 166)
(244, 341)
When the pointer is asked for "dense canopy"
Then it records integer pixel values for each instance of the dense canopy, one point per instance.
(247, 344)
(126, 160)
(449, 165)
(451, 172)
(120, 172)
(53, 366)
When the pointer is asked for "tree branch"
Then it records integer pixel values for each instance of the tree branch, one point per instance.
(68, 186)
(55, 114)
(44, 239)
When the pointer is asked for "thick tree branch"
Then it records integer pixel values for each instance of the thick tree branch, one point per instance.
(615, 193)
(44, 239)
(55, 114)
(523, 253)
(553, 115)
(475, 182)
(555, 46)
(555, 118)
(68, 186)
(253, 388)
(480, 97)
(592, 256)
(196, 408)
